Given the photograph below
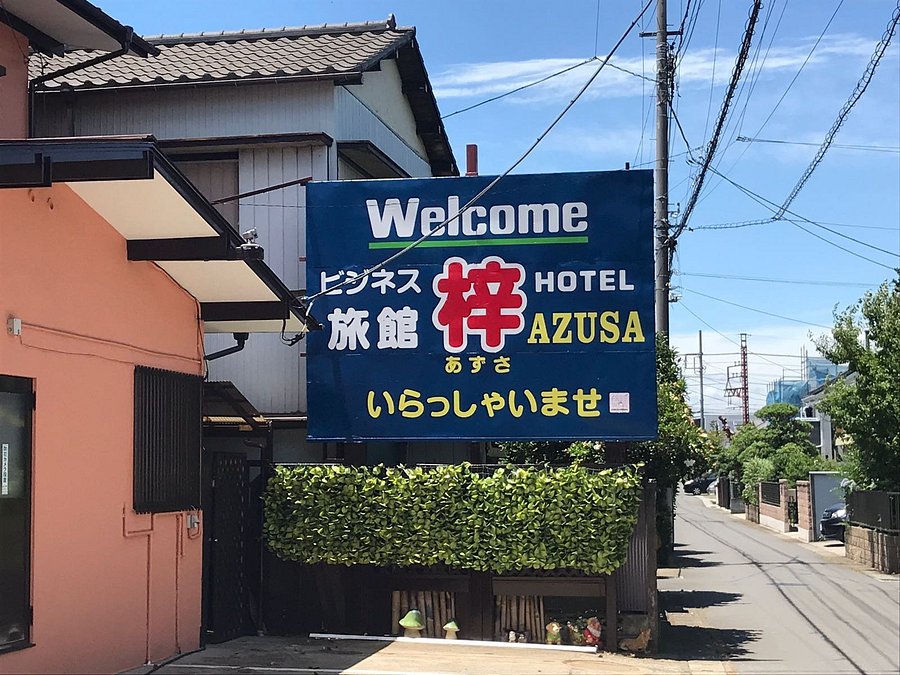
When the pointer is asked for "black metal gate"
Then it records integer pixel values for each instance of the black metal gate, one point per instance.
(226, 599)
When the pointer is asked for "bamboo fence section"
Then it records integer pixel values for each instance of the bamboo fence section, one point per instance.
(437, 608)
(519, 614)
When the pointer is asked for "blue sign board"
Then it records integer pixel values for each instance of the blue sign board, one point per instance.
(529, 316)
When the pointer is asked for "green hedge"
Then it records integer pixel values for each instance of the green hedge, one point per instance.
(512, 520)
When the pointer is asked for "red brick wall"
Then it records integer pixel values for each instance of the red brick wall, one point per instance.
(776, 513)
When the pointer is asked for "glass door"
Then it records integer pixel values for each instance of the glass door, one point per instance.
(16, 403)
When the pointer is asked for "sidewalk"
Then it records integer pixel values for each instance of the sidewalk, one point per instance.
(279, 655)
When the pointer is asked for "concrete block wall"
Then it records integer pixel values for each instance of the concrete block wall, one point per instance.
(874, 549)
(751, 511)
(775, 517)
(806, 523)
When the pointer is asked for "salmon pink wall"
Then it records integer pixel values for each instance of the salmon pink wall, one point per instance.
(111, 589)
(14, 85)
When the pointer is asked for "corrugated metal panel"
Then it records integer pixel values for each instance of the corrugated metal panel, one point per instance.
(355, 122)
(636, 579)
(167, 427)
(204, 112)
(271, 375)
(216, 180)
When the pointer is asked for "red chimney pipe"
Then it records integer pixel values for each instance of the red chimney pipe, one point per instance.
(471, 159)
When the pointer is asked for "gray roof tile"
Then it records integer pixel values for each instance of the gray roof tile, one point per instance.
(327, 51)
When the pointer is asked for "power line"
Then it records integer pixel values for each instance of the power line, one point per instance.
(759, 311)
(723, 114)
(769, 205)
(787, 89)
(767, 221)
(776, 281)
(867, 148)
(857, 93)
(722, 335)
(518, 89)
(541, 81)
(487, 188)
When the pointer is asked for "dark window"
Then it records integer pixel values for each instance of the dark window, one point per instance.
(167, 422)
(16, 403)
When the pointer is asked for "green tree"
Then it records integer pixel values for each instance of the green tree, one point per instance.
(866, 336)
(682, 449)
(782, 438)
(755, 470)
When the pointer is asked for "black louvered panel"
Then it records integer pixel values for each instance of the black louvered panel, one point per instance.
(167, 425)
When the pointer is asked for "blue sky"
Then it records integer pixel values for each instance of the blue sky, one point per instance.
(475, 50)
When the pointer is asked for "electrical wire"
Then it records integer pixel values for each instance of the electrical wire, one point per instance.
(766, 221)
(757, 70)
(768, 204)
(541, 81)
(723, 114)
(867, 148)
(788, 88)
(712, 79)
(776, 281)
(758, 311)
(387, 261)
(857, 93)
(725, 337)
(518, 89)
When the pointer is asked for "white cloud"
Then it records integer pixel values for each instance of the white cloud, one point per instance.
(615, 142)
(695, 69)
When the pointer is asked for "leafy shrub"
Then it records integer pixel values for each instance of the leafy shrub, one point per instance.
(755, 470)
(514, 519)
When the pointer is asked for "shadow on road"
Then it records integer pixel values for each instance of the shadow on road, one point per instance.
(685, 557)
(681, 601)
(706, 644)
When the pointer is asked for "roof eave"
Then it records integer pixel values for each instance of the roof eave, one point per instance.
(429, 126)
(95, 161)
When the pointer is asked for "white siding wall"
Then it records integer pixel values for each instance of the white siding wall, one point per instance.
(382, 93)
(216, 180)
(355, 121)
(270, 374)
(195, 112)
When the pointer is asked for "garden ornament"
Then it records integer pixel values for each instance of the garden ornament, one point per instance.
(412, 623)
(553, 633)
(592, 631)
(451, 630)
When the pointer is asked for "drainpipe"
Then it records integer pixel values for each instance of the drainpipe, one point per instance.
(68, 70)
(239, 338)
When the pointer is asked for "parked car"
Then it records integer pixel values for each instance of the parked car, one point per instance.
(831, 526)
(698, 486)
(711, 490)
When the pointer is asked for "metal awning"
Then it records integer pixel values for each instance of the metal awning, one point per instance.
(54, 26)
(165, 220)
(225, 405)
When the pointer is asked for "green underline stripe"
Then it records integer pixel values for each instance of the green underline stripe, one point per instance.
(453, 243)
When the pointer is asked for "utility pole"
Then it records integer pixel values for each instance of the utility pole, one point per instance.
(745, 382)
(661, 174)
(702, 408)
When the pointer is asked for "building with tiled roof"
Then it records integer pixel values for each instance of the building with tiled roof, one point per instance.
(241, 112)
(338, 53)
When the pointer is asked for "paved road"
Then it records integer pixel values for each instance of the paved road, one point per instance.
(770, 604)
